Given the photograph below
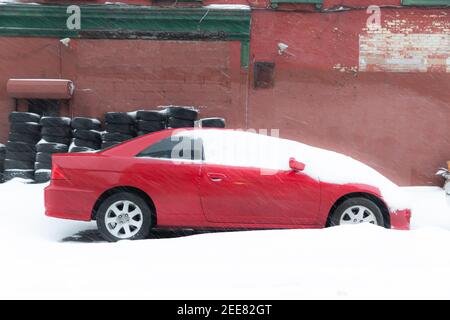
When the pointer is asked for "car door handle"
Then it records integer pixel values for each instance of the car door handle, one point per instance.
(216, 177)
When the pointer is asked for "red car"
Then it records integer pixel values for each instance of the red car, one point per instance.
(218, 179)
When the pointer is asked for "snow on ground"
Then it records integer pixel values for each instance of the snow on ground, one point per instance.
(343, 262)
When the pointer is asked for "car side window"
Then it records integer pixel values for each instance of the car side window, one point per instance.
(176, 148)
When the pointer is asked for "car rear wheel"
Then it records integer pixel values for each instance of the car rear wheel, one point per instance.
(356, 211)
(123, 216)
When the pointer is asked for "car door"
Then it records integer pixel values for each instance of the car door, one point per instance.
(239, 193)
(170, 174)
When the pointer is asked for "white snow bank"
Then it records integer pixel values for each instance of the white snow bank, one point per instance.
(289, 264)
(248, 149)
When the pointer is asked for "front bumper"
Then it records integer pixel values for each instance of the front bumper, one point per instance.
(400, 219)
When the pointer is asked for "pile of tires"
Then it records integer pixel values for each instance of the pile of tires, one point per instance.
(2, 160)
(211, 123)
(24, 133)
(180, 117)
(86, 134)
(148, 121)
(56, 134)
(119, 127)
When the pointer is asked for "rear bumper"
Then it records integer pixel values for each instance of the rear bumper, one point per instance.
(400, 219)
(69, 203)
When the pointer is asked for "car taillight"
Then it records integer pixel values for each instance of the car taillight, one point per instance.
(57, 173)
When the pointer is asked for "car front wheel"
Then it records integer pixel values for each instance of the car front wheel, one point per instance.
(355, 211)
(124, 216)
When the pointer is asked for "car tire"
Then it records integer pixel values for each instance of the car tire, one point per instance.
(18, 165)
(20, 146)
(108, 144)
(85, 143)
(150, 126)
(56, 139)
(212, 123)
(86, 123)
(150, 115)
(10, 174)
(356, 210)
(117, 200)
(118, 118)
(30, 128)
(115, 136)
(51, 147)
(90, 135)
(23, 117)
(181, 113)
(42, 166)
(26, 138)
(179, 123)
(44, 157)
(119, 128)
(73, 149)
(21, 156)
(41, 176)
(57, 131)
(55, 122)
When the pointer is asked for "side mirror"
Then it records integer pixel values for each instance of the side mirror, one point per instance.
(296, 165)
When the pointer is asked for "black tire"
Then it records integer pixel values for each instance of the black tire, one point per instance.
(150, 126)
(42, 166)
(42, 176)
(23, 117)
(150, 115)
(335, 217)
(179, 123)
(18, 165)
(21, 156)
(138, 202)
(20, 137)
(118, 118)
(30, 128)
(90, 135)
(2, 148)
(212, 123)
(65, 132)
(51, 147)
(86, 123)
(85, 143)
(44, 157)
(141, 133)
(20, 146)
(184, 113)
(108, 144)
(24, 174)
(55, 139)
(55, 122)
(115, 136)
(80, 149)
(120, 128)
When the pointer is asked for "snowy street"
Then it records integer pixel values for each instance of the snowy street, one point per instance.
(348, 262)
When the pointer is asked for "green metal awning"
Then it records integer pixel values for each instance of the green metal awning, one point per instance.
(129, 22)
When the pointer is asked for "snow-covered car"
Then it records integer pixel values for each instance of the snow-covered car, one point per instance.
(219, 179)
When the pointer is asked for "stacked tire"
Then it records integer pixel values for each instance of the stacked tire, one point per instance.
(211, 123)
(148, 121)
(2, 160)
(86, 135)
(119, 127)
(24, 133)
(56, 134)
(180, 117)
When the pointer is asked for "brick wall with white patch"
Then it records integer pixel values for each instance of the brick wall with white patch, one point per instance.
(407, 44)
